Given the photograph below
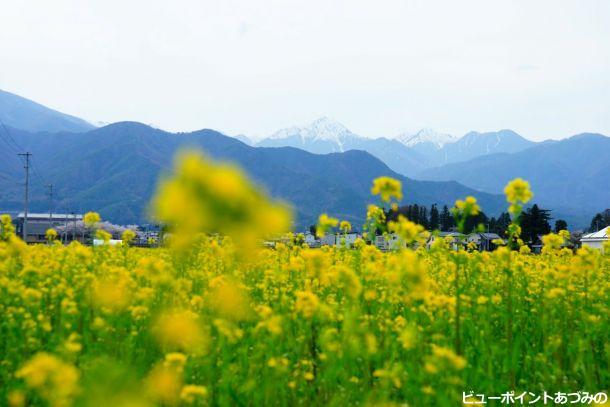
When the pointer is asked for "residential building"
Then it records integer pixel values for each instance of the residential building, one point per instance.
(39, 223)
(456, 240)
(484, 241)
(597, 239)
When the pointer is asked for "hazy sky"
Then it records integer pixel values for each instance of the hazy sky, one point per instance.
(541, 68)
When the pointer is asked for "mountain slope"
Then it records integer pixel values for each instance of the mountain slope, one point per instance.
(570, 174)
(471, 145)
(325, 136)
(114, 170)
(20, 113)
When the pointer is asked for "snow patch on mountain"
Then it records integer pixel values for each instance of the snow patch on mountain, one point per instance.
(322, 129)
(426, 135)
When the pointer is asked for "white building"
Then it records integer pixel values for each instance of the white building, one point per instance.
(484, 241)
(310, 238)
(347, 239)
(457, 240)
(596, 240)
(328, 240)
(389, 242)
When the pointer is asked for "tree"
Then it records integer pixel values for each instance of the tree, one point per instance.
(600, 221)
(560, 224)
(446, 219)
(473, 222)
(313, 229)
(499, 225)
(434, 218)
(535, 222)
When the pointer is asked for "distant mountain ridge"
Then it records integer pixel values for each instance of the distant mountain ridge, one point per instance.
(117, 172)
(114, 170)
(569, 175)
(426, 136)
(325, 135)
(22, 113)
(407, 153)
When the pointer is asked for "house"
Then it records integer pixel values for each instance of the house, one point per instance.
(39, 223)
(328, 240)
(389, 242)
(484, 241)
(347, 239)
(310, 239)
(597, 239)
(457, 240)
(539, 244)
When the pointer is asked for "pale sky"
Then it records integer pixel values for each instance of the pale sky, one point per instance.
(541, 68)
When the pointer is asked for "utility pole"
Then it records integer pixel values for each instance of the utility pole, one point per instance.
(27, 156)
(50, 186)
(73, 225)
(66, 230)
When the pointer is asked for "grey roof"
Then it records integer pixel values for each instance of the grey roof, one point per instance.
(490, 236)
(45, 216)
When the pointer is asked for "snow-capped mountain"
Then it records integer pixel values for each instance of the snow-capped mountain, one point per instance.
(408, 153)
(426, 135)
(325, 135)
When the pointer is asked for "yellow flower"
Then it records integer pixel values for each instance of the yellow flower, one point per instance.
(205, 197)
(190, 393)
(54, 380)
(92, 218)
(407, 230)
(345, 226)
(552, 242)
(103, 235)
(387, 188)
(517, 193)
(179, 329)
(128, 235)
(325, 223)
(306, 303)
(229, 300)
(51, 234)
(467, 207)
(164, 385)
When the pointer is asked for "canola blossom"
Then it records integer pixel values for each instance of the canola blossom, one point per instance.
(293, 325)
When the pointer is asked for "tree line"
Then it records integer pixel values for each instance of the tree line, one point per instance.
(535, 221)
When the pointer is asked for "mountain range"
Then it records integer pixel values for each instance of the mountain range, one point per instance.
(408, 153)
(22, 113)
(570, 176)
(320, 167)
(114, 170)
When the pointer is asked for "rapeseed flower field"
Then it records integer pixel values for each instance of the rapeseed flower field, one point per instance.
(214, 318)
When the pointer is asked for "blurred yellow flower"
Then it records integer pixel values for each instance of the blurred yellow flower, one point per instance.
(387, 188)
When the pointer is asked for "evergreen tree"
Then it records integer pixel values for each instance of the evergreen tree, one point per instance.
(434, 218)
(600, 221)
(560, 224)
(446, 219)
(423, 217)
(534, 222)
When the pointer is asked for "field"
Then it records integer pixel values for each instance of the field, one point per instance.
(214, 319)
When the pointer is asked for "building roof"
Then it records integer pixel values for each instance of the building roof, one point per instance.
(599, 235)
(45, 216)
(457, 234)
(488, 236)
